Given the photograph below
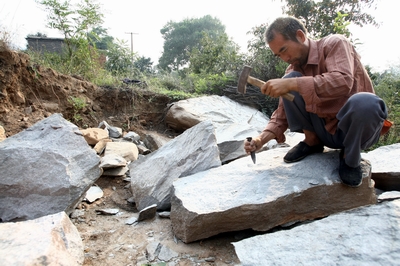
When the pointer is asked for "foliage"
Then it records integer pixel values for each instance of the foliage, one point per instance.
(264, 63)
(210, 83)
(340, 25)
(318, 15)
(144, 65)
(99, 38)
(74, 23)
(181, 37)
(6, 36)
(119, 58)
(172, 85)
(215, 55)
(78, 104)
(387, 86)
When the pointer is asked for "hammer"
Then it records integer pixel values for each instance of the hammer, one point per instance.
(246, 78)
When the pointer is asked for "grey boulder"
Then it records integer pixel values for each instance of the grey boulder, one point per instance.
(193, 151)
(363, 236)
(241, 195)
(45, 169)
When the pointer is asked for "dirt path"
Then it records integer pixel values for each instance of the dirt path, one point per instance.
(108, 240)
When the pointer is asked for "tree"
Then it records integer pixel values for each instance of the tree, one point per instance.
(263, 61)
(74, 23)
(214, 56)
(119, 58)
(318, 16)
(99, 38)
(144, 65)
(181, 37)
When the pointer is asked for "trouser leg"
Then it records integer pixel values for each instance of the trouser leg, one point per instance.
(297, 116)
(299, 119)
(360, 122)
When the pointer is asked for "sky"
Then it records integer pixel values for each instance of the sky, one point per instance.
(145, 18)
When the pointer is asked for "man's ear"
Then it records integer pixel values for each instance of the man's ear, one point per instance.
(301, 36)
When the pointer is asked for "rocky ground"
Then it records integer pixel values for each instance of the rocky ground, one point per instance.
(29, 93)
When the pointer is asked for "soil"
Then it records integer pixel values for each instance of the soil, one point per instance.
(30, 93)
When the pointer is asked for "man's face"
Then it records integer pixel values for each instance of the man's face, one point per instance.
(295, 53)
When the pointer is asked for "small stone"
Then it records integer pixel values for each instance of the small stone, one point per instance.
(210, 259)
(164, 214)
(147, 213)
(390, 195)
(77, 214)
(108, 211)
(93, 194)
(131, 220)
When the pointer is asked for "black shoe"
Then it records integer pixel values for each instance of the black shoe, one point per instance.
(350, 176)
(302, 150)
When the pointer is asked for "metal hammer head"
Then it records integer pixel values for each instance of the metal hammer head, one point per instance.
(243, 79)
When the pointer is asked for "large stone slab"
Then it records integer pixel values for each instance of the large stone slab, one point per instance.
(49, 240)
(385, 168)
(240, 195)
(233, 122)
(363, 236)
(193, 151)
(45, 169)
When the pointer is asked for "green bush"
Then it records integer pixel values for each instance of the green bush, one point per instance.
(210, 83)
(78, 104)
(387, 86)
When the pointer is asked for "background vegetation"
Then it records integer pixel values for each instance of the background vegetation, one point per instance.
(199, 57)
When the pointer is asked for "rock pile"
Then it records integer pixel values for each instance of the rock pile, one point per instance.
(302, 211)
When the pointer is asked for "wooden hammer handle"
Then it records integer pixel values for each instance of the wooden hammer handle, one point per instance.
(259, 83)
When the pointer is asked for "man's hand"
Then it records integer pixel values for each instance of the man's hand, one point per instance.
(258, 142)
(254, 145)
(278, 87)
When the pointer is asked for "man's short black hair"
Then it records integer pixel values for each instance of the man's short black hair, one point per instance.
(287, 26)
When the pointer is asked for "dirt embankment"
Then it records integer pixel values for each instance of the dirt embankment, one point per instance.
(30, 93)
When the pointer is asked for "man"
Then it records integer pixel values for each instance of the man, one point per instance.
(335, 104)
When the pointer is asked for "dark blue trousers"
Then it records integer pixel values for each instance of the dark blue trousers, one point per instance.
(360, 123)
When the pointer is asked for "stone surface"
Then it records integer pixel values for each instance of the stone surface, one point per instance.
(363, 236)
(113, 132)
(2, 133)
(112, 160)
(233, 122)
(385, 169)
(241, 195)
(45, 169)
(118, 171)
(94, 135)
(147, 213)
(131, 136)
(94, 193)
(127, 150)
(193, 151)
(49, 240)
(154, 140)
(101, 145)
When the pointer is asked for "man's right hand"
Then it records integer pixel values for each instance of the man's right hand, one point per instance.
(254, 145)
(258, 142)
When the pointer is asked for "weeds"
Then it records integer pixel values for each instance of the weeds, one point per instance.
(78, 104)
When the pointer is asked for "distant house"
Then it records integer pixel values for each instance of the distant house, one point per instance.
(45, 44)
